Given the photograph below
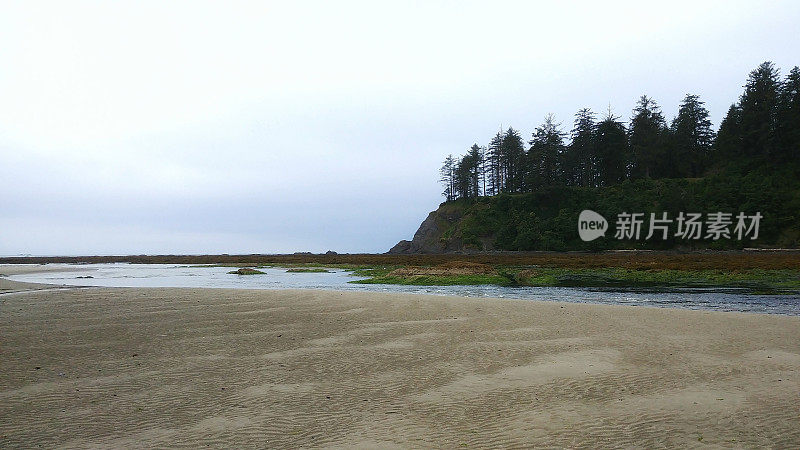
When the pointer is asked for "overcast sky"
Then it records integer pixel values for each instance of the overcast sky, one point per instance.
(225, 127)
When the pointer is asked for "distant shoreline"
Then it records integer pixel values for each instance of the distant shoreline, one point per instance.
(734, 259)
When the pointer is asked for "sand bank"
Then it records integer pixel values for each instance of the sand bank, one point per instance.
(8, 286)
(232, 368)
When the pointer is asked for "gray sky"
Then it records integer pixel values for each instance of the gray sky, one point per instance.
(227, 127)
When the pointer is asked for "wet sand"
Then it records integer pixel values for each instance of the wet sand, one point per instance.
(9, 286)
(235, 368)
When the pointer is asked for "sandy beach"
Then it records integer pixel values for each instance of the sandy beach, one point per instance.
(235, 368)
(9, 286)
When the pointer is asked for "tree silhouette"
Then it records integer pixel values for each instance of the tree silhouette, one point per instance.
(763, 127)
(544, 156)
(447, 178)
(647, 138)
(582, 160)
(691, 139)
(611, 149)
(493, 168)
(512, 161)
(758, 104)
(788, 127)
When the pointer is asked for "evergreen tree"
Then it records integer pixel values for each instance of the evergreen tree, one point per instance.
(764, 126)
(691, 139)
(482, 171)
(647, 132)
(493, 170)
(789, 117)
(512, 161)
(467, 174)
(728, 145)
(476, 169)
(581, 151)
(447, 178)
(463, 181)
(611, 147)
(758, 104)
(547, 149)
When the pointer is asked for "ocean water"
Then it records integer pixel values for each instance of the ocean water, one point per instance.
(166, 275)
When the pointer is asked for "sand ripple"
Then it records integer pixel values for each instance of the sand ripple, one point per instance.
(187, 368)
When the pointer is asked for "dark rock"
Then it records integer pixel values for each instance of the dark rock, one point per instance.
(428, 238)
(403, 246)
(246, 271)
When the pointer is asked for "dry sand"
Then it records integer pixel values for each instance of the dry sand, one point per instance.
(229, 368)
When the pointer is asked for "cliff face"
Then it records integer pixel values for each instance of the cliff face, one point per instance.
(430, 237)
(547, 219)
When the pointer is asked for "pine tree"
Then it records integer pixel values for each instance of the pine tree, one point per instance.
(691, 139)
(762, 127)
(512, 161)
(646, 134)
(447, 178)
(759, 107)
(482, 171)
(463, 181)
(611, 146)
(493, 169)
(788, 127)
(582, 148)
(476, 164)
(547, 149)
(728, 145)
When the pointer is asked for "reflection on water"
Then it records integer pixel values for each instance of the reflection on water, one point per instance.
(165, 275)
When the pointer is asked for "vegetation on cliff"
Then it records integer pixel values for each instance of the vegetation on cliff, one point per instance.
(547, 219)
(508, 197)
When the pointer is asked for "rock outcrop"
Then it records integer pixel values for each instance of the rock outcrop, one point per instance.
(429, 238)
